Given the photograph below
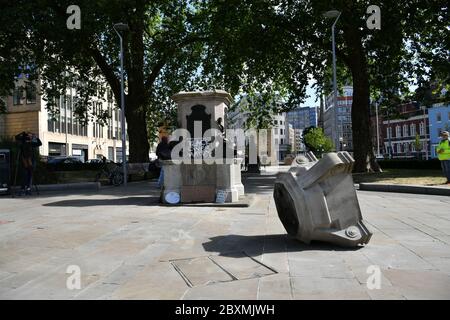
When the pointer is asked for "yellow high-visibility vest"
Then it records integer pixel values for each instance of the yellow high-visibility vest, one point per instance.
(444, 146)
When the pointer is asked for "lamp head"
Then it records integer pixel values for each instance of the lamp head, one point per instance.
(121, 27)
(332, 14)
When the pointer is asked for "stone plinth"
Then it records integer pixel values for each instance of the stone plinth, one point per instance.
(316, 200)
(215, 105)
(200, 182)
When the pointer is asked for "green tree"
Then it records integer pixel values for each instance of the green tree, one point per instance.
(316, 141)
(257, 106)
(162, 50)
(281, 44)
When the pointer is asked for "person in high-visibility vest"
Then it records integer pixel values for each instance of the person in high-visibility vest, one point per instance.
(443, 151)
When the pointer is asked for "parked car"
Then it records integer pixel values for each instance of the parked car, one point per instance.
(63, 159)
(99, 161)
(94, 161)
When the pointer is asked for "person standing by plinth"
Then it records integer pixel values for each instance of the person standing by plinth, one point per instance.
(163, 152)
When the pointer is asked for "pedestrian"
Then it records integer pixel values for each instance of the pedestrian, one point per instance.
(28, 143)
(163, 151)
(443, 151)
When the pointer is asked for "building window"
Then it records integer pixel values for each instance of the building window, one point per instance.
(69, 114)
(30, 93)
(389, 132)
(18, 95)
(56, 149)
(281, 141)
(421, 129)
(63, 117)
(58, 116)
(398, 133)
(110, 121)
(97, 127)
(111, 153)
(110, 96)
(50, 123)
(438, 117)
(412, 129)
(405, 130)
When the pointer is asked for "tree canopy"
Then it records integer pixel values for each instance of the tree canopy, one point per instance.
(243, 46)
(280, 44)
(162, 50)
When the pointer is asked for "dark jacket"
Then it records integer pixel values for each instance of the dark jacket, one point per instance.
(163, 151)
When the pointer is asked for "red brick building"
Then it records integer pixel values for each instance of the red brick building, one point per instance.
(397, 135)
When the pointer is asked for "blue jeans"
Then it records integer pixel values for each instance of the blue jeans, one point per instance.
(445, 164)
(161, 178)
(27, 178)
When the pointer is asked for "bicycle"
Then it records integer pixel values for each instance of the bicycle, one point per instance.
(114, 174)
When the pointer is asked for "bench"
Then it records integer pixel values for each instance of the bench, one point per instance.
(138, 168)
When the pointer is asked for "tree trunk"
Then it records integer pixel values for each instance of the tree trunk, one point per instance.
(365, 160)
(137, 94)
(137, 134)
(362, 141)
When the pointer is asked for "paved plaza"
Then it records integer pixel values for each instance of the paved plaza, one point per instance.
(127, 246)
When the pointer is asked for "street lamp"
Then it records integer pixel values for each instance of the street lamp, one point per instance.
(121, 28)
(425, 144)
(378, 129)
(334, 14)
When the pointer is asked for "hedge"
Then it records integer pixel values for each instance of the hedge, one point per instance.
(433, 164)
(74, 166)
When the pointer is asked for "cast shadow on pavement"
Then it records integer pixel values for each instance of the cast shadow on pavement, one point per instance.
(233, 245)
(126, 201)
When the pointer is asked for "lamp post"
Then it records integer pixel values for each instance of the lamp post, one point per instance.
(121, 28)
(378, 129)
(334, 14)
(389, 135)
(425, 143)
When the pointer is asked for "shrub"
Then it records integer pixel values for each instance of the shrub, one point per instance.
(433, 164)
(73, 166)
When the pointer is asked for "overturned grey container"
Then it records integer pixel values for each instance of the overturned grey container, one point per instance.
(316, 200)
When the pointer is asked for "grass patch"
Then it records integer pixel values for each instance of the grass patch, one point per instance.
(403, 176)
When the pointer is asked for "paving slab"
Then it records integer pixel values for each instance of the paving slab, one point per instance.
(125, 245)
(309, 288)
(275, 287)
(419, 284)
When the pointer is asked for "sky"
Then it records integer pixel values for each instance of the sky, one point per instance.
(310, 101)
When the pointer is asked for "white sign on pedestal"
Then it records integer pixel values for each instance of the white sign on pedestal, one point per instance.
(221, 196)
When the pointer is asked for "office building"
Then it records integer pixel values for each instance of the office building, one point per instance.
(63, 134)
(337, 120)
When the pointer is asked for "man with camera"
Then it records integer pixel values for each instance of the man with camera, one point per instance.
(27, 142)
